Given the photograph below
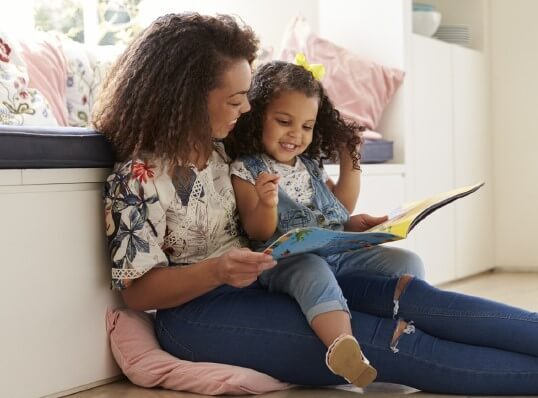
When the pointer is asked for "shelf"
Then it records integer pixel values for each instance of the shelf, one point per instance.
(10, 177)
(371, 169)
(52, 176)
(445, 43)
(465, 12)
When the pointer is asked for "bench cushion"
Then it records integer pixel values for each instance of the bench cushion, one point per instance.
(28, 147)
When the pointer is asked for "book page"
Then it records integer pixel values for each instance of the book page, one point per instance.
(403, 218)
(325, 242)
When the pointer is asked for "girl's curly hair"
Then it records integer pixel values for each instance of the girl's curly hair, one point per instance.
(154, 99)
(330, 133)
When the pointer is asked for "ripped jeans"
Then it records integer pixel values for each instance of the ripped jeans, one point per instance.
(312, 280)
(412, 333)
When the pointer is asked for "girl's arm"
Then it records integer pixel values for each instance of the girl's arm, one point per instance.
(257, 205)
(347, 187)
(166, 287)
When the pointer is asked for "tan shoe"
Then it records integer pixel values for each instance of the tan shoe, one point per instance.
(344, 358)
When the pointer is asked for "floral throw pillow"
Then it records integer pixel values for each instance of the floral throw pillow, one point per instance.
(101, 59)
(86, 70)
(19, 104)
(79, 84)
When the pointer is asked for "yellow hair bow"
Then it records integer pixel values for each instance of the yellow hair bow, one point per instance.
(317, 70)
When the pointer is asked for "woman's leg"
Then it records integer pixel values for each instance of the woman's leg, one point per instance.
(266, 331)
(248, 327)
(379, 260)
(435, 365)
(444, 314)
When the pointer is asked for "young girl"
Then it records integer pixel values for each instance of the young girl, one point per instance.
(279, 185)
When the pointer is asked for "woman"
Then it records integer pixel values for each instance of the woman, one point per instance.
(176, 246)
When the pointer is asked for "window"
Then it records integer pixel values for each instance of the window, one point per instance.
(97, 22)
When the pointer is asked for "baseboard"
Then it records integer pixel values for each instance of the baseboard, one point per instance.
(516, 269)
(84, 387)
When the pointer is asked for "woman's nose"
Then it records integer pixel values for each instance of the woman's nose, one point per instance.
(246, 107)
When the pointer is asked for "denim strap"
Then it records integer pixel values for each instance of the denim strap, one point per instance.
(254, 164)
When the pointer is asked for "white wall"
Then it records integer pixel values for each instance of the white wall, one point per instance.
(376, 30)
(514, 66)
(268, 18)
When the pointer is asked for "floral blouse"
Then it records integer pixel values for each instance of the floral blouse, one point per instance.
(155, 219)
(294, 180)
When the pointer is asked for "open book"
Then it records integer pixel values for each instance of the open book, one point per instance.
(401, 221)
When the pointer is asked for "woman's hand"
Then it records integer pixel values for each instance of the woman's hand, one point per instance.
(267, 188)
(241, 267)
(363, 222)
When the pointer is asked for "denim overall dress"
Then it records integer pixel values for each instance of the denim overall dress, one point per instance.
(306, 277)
(324, 211)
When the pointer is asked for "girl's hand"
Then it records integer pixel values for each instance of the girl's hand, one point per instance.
(241, 267)
(363, 222)
(266, 186)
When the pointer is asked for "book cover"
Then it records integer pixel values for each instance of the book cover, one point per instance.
(400, 222)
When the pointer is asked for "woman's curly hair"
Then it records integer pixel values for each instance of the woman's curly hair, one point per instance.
(154, 99)
(331, 131)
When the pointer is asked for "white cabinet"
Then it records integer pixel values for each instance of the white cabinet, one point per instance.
(472, 162)
(55, 283)
(451, 149)
(382, 189)
(432, 163)
(439, 121)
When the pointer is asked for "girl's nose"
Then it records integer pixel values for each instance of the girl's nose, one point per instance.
(292, 132)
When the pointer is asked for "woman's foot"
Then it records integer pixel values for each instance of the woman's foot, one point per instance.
(344, 358)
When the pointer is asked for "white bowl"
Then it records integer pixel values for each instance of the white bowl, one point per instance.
(426, 22)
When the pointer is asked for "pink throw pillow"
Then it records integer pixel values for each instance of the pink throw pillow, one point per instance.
(47, 70)
(145, 364)
(360, 89)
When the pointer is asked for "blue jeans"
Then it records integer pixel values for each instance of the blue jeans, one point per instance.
(312, 280)
(459, 344)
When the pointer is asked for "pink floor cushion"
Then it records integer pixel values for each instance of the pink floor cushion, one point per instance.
(145, 364)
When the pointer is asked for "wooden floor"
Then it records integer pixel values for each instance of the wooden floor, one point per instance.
(518, 289)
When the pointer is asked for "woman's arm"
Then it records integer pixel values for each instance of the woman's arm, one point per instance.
(136, 222)
(167, 287)
(258, 205)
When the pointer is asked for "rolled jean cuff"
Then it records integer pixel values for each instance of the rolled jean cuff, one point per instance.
(328, 306)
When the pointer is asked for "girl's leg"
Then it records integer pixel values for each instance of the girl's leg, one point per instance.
(379, 260)
(444, 314)
(267, 332)
(310, 281)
